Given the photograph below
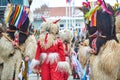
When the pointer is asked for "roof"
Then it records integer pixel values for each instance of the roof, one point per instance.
(57, 11)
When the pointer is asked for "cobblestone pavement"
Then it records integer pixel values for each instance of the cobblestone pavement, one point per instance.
(34, 77)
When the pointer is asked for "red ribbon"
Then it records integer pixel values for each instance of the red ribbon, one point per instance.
(46, 36)
(66, 47)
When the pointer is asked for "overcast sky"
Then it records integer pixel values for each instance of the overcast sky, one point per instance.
(61, 3)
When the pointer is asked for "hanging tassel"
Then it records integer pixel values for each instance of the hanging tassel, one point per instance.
(66, 47)
(46, 36)
(8, 12)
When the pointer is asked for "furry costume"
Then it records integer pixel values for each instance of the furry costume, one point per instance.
(13, 56)
(12, 61)
(105, 66)
(1, 66)
(117, 24)
(67, 36)
(50, 56)
(71, 56)
(100, 33)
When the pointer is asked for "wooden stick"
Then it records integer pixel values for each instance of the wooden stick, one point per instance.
(8, 38)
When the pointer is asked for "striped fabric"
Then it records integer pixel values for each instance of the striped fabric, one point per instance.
(18, 16)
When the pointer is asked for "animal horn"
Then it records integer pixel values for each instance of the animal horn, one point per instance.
(54, 22)
(43, 19)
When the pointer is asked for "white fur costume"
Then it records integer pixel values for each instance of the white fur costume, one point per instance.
(13, 56)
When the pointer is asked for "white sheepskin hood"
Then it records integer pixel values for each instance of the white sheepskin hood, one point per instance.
(66, 35)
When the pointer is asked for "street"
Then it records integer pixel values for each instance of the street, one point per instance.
(34, 77)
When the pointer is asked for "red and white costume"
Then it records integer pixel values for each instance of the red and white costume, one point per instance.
(52, 60)
(66, 36)
(50, 56)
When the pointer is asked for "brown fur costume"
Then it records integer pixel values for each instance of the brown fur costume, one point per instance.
(12, 60)
(105, 66)
(117, 24)
(13, 56)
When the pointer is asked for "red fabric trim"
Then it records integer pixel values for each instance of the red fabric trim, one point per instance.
(66, 47)
(46, 36)
(38, 51)
(94, 44)
(59, 49)
(16, 41)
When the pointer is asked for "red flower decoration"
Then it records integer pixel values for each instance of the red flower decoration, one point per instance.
(86, 4)
(99, 2)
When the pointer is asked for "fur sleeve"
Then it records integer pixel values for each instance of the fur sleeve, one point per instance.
(30, 47)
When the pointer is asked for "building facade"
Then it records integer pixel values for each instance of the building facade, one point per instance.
(71, 21)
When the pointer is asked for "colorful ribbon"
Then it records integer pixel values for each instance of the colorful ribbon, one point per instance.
(18, 16)
(9, 13)
(102, 4)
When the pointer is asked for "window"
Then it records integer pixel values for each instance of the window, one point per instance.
(61, 25)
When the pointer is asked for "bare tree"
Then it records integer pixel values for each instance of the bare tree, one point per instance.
(43, 11)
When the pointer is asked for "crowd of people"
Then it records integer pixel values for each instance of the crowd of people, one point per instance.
(53, 55)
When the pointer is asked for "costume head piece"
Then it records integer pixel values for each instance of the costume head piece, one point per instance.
(66, 35)
(18, 17)
(86, 4)
(49, 26)
(48, 32)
